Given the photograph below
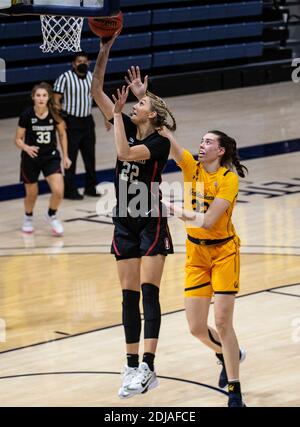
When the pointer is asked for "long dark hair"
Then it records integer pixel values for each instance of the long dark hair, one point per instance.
(230, 157)
(54, 111)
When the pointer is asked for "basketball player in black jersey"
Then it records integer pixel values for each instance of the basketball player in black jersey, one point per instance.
(36, 137)
(141, 237)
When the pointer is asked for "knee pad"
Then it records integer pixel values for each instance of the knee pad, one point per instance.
(131, 315)
(152, 313)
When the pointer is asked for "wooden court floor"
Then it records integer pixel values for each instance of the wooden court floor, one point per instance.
(61, 339)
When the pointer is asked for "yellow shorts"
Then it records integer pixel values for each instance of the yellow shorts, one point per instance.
(212, 269)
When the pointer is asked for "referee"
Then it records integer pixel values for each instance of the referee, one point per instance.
(73, 89)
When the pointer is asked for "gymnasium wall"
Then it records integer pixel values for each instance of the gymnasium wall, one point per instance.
(185, 46)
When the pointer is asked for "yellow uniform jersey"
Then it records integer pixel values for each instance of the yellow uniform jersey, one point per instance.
(201, 188)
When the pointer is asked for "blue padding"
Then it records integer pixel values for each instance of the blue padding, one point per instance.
(15, 30)
(216, 32)
(91, 45)
(126, 42)
(39, 73)
(203, 13)
(137, 19)
(27, 29)
(208, 54)
(148, 2)
(120, 65)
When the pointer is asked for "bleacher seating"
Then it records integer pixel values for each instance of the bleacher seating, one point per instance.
(158, 35)
(207, 33)
(206, 54)
(91, 45)
(208, 12)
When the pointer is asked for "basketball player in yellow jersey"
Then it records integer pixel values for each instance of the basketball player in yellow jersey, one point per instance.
(212, 248)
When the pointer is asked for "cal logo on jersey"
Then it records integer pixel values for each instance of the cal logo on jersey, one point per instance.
(34, 120)
(131, 141)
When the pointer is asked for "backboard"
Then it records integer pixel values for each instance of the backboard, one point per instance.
(81, 8)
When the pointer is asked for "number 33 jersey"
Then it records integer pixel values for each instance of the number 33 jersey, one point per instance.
(39, 132)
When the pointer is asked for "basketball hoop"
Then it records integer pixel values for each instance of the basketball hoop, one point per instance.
(61, 33)
(61, 20)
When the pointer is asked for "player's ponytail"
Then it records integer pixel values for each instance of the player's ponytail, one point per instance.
(54, 111)
(230, 157)
(162, 111)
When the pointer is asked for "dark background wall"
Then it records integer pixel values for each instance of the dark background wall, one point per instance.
(185, 46)
(294, 26)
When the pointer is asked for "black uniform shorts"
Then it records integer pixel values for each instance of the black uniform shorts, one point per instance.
(138, 237)
(48, 163)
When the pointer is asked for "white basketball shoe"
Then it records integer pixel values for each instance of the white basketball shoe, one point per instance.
(56, 226)
(144, 380)
(27, 226)
(128, 376)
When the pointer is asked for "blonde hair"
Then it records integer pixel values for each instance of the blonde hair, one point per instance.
(160, 107)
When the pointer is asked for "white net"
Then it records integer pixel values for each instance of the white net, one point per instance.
(61, 33)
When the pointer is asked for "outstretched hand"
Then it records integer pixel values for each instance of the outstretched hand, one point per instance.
(191, 218)
(135, 83)
(107, 42)
(165, 132)
(121, 99)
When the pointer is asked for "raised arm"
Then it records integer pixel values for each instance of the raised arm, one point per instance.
(135, 83)
(102, 100)
(176, 151)
(125, 153)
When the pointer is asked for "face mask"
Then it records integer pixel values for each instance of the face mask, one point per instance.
(82, 69)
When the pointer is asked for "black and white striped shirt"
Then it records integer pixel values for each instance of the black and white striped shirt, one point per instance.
(77, 100)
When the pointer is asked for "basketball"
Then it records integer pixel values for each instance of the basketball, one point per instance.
(106, 27)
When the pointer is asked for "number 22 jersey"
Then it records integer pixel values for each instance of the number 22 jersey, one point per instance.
(147, 172)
